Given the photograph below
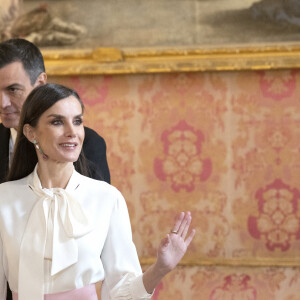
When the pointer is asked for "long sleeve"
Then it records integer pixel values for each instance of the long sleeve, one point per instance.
(106, 253)
(123, 274)
(3, 282)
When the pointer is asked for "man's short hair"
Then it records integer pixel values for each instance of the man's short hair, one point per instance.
(20, 50)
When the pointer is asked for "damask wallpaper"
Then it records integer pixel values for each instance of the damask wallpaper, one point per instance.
(224, 145)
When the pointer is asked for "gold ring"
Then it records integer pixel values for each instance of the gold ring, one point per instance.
(174, 231)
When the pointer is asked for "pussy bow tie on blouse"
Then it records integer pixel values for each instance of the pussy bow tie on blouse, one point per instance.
(69, 222)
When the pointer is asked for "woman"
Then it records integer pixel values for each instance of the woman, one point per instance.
(55, 223)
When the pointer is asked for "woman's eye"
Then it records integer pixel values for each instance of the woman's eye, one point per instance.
(56, 122)
(78, 122)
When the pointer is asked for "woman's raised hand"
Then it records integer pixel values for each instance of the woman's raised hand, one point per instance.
(173, 247)
(170, 251)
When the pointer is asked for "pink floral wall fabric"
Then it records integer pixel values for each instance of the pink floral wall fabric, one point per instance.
(224, 145)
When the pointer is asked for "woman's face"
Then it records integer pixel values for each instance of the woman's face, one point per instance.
(60, 131)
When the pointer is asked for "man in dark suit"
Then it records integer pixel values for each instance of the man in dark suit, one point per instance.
(21, 70)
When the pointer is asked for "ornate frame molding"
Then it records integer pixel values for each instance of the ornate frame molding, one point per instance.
(232, 262)
(148, 60)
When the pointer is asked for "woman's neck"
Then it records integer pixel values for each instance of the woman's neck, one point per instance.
(54, 174)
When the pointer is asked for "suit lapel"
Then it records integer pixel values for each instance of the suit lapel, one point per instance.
(4, 151)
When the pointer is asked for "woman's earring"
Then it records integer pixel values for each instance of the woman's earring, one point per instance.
(40, 150)
(36, 145)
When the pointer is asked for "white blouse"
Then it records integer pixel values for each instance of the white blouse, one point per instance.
(57, 240)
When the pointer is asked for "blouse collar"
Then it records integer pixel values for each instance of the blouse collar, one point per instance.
(69, 223)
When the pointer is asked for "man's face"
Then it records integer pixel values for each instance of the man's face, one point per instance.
(15, 86)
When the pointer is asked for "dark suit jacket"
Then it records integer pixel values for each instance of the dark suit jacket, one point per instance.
(4, 151)
(94, 148)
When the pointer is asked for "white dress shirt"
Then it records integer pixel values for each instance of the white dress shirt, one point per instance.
(57, 240)
(12, 141)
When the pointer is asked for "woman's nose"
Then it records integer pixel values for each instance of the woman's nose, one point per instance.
(71, 130)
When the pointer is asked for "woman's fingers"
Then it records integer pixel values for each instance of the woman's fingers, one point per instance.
(184, 226)
(187, 226)
(178, 221)
(190, 237)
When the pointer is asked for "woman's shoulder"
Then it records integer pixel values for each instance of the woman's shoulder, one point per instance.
(99, 185)
(13, 185)
(99, 193)
(12, 191)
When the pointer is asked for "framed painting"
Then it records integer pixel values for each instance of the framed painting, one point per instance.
(132, 36)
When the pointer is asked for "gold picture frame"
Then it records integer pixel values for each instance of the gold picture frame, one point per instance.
(149, 60)
(128, 37)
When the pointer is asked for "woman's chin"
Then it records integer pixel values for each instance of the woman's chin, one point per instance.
(63, 160)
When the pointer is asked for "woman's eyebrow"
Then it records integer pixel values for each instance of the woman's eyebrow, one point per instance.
(55, 115)
(61, 116)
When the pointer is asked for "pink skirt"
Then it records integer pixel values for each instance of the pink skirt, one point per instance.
(85, 293)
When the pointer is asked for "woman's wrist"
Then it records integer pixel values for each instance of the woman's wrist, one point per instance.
(159, 270)
(152, 277)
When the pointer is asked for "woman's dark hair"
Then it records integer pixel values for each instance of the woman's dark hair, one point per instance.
(38, 101)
